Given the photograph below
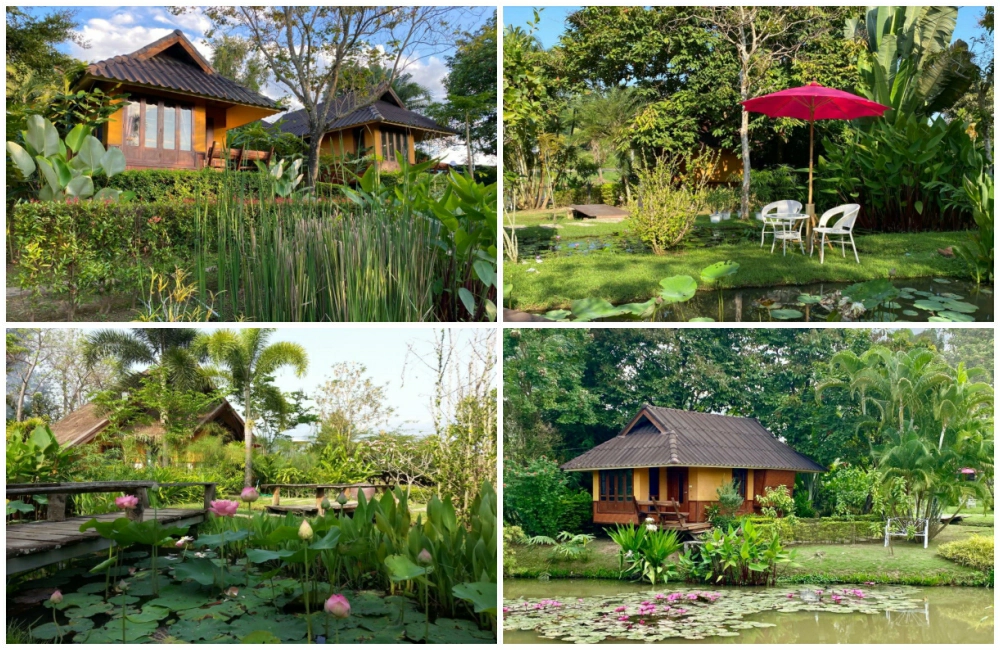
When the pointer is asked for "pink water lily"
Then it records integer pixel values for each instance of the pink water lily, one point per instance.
(127, 502)
(338, 606)
(659, 596)
(623, 618)
(620, 609)
(224, 508)
(791, 595)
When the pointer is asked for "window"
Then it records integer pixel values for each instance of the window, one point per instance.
(151, 125)
(740, 481)
(131, 119)
(169, 127)
(187, 116)
(616, 485)
(393, 142)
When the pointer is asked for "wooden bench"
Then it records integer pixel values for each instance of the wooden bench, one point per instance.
(41, 543)
(350, 490)
(668, 516)
(218, 157)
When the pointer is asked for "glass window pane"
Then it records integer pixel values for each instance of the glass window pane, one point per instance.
(151, 125)
(169, 127)
(131, 120)
(186, 129)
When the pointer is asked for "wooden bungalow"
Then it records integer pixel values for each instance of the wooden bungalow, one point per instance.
(380, 129)
(178, 108)
(671, 462)
(84, 425)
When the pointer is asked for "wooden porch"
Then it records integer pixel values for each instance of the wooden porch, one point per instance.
(40, 543)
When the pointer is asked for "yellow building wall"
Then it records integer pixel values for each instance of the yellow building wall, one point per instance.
(704, 481)
(339, 142)
(749, 495)
(596, 494)
(411, 155)
(663, 483)
(640, 483)
(240, 115)
(200, 136)
(113, 129)
(373, 139)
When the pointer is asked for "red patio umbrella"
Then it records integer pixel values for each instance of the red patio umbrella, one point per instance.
(814, 102)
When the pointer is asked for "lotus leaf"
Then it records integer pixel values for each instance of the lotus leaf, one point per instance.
(91, 588)
(588, 309)
(49, 631)
(956, 317)
(942, 280)
(123, 599)
(938, 319)
(910, 312)
(208, 630)
(482, 595)
(177, 598)
(558, 314)
(719, 270)
(260, 636)
(286, 628)
(871, 293)
(222, 611)
(402, 568)
(786, 314)
(86, 611)
(639, 309)
(701, 319)
(678, 288)
(225, 537)
(959, 306)
(77, 599)
(807, 299)
(112, 632)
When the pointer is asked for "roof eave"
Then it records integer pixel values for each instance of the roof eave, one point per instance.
(92, 77)
(781, 469)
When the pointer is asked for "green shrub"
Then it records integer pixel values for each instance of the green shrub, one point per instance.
(776, 502)
(533, 497)
(155, 185)
(512, 536)
(803, 504)
(577, 511)
(827, 530)
(975, 551)
(777, 184)
(608, 193)
(744, 556)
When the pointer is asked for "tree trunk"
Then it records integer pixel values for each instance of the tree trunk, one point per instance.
(312, 164)
(164, 453)
(745, 145)
(468, 147)
(248, 440)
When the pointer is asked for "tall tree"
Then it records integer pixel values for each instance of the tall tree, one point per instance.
(761, 36)
(472, 90)
(169, 351)
(249, 362)
(31, 41)
(351, 405)
(31, 355)
(322, 54)
(235, 58)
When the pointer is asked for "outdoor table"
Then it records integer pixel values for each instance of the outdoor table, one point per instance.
(792, 217)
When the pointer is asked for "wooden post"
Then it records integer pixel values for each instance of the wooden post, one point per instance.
(209, 495)
(276, 497)
(57, 507)
(135, 514)
(320, 493)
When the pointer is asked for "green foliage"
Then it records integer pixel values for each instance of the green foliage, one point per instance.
(670, 194)
(512, 536)
(743, 556)
(730, 500)
(803, 504)
(776, 502)
(158, 185)
(533, 496)
(978, 253)
(565, 545)
(64, 168)
(975, 551)
(82, 249)
(283, 181)
(776, 184)
(906, 174)
(37, 457)
(643, 553)
(576, 510)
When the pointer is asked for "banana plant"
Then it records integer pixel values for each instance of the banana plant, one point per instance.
(65, 168)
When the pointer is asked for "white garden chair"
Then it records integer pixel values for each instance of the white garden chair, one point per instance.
(767, 216)
(843, 228)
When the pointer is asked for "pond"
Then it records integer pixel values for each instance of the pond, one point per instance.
(884, 614)
(901, 300)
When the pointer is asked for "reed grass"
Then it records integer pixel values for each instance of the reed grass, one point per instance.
(314, 260)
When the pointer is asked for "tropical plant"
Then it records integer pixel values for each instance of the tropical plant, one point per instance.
(65, 167)
(673, 290)
(630, 539)
(284, 181)
(729, 501)
(644, 553)
(776, 502)
(566, 545)
(911, 64)
(249, 362)
(38, 457)
(743, 556)
(173, 300)
(978, 253)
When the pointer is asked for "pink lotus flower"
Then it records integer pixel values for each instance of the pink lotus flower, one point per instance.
(659, 596)
(681, 611)
(232, 592)
(506, 609)
(424, 557)
(620, 609)
(183, 542)
(623, 618)
(869, 584)
(791, 595)
(249, 495)
(127, 502)
(56, 597)
(338, 606)
(224, 508)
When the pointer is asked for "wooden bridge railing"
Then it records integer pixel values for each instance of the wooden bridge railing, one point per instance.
(350, 490)
(58, 492)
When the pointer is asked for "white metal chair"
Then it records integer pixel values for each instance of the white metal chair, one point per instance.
(844, 228)
(789, 230)
(785, 207)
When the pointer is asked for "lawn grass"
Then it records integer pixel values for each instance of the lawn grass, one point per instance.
(620, 277)
(909, 563)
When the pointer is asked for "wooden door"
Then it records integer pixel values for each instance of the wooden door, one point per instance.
(158, 134)
(654, 483)
(677, 478)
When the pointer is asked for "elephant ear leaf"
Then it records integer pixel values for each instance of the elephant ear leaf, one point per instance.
(81, 187)
(113, 162)
(42, 136)
(75, 138)
(22, 159)
(90, 154)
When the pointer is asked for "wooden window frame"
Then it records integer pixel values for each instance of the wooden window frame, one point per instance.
(616, 485)
(745, 474)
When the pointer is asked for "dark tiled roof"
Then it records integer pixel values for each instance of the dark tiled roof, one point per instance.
(172, 63)
(669, 437)
(297, 122)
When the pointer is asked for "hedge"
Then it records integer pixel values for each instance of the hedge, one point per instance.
(178, 184)
(820, 531)
(607, 194)
(975, 552)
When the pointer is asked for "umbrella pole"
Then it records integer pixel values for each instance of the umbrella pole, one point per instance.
(810, 207)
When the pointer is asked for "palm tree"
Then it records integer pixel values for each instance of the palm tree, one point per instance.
(138, 351)
(249, 363)
(602, 124)
(414, 95)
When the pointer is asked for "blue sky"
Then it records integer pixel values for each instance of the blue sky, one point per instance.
(554, 18)
(383, 351)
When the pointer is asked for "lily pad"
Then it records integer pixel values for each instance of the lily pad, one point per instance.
(76, 599)
(678, 288)
(910, 312)
(928, 305)
(942, 280)
(962, 307)
(50, 631)
(207, 630)
(260, 636)
(588, 309)
(956, 317)
(785, 314)
(91, 588)
(86, 611)
(808, 299)
(558, 314)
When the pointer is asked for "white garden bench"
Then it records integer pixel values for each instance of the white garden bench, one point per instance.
(903, 524)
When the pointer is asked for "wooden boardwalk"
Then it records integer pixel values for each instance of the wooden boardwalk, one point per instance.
(40, 543)
(597, 211)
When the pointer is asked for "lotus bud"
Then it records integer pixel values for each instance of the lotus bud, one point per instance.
(341, 498)
(325, 503)
(249, 495)
(232, 592)
(305, 531)
(338, 606)
(122, 586)
(56, 597)
(424, 557)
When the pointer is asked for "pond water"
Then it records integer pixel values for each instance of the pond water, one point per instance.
(928, 615)
(914, 300)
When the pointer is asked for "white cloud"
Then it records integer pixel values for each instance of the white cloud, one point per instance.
(430, 74)
(125, 31)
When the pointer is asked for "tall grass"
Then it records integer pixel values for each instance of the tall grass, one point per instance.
(316, 260)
